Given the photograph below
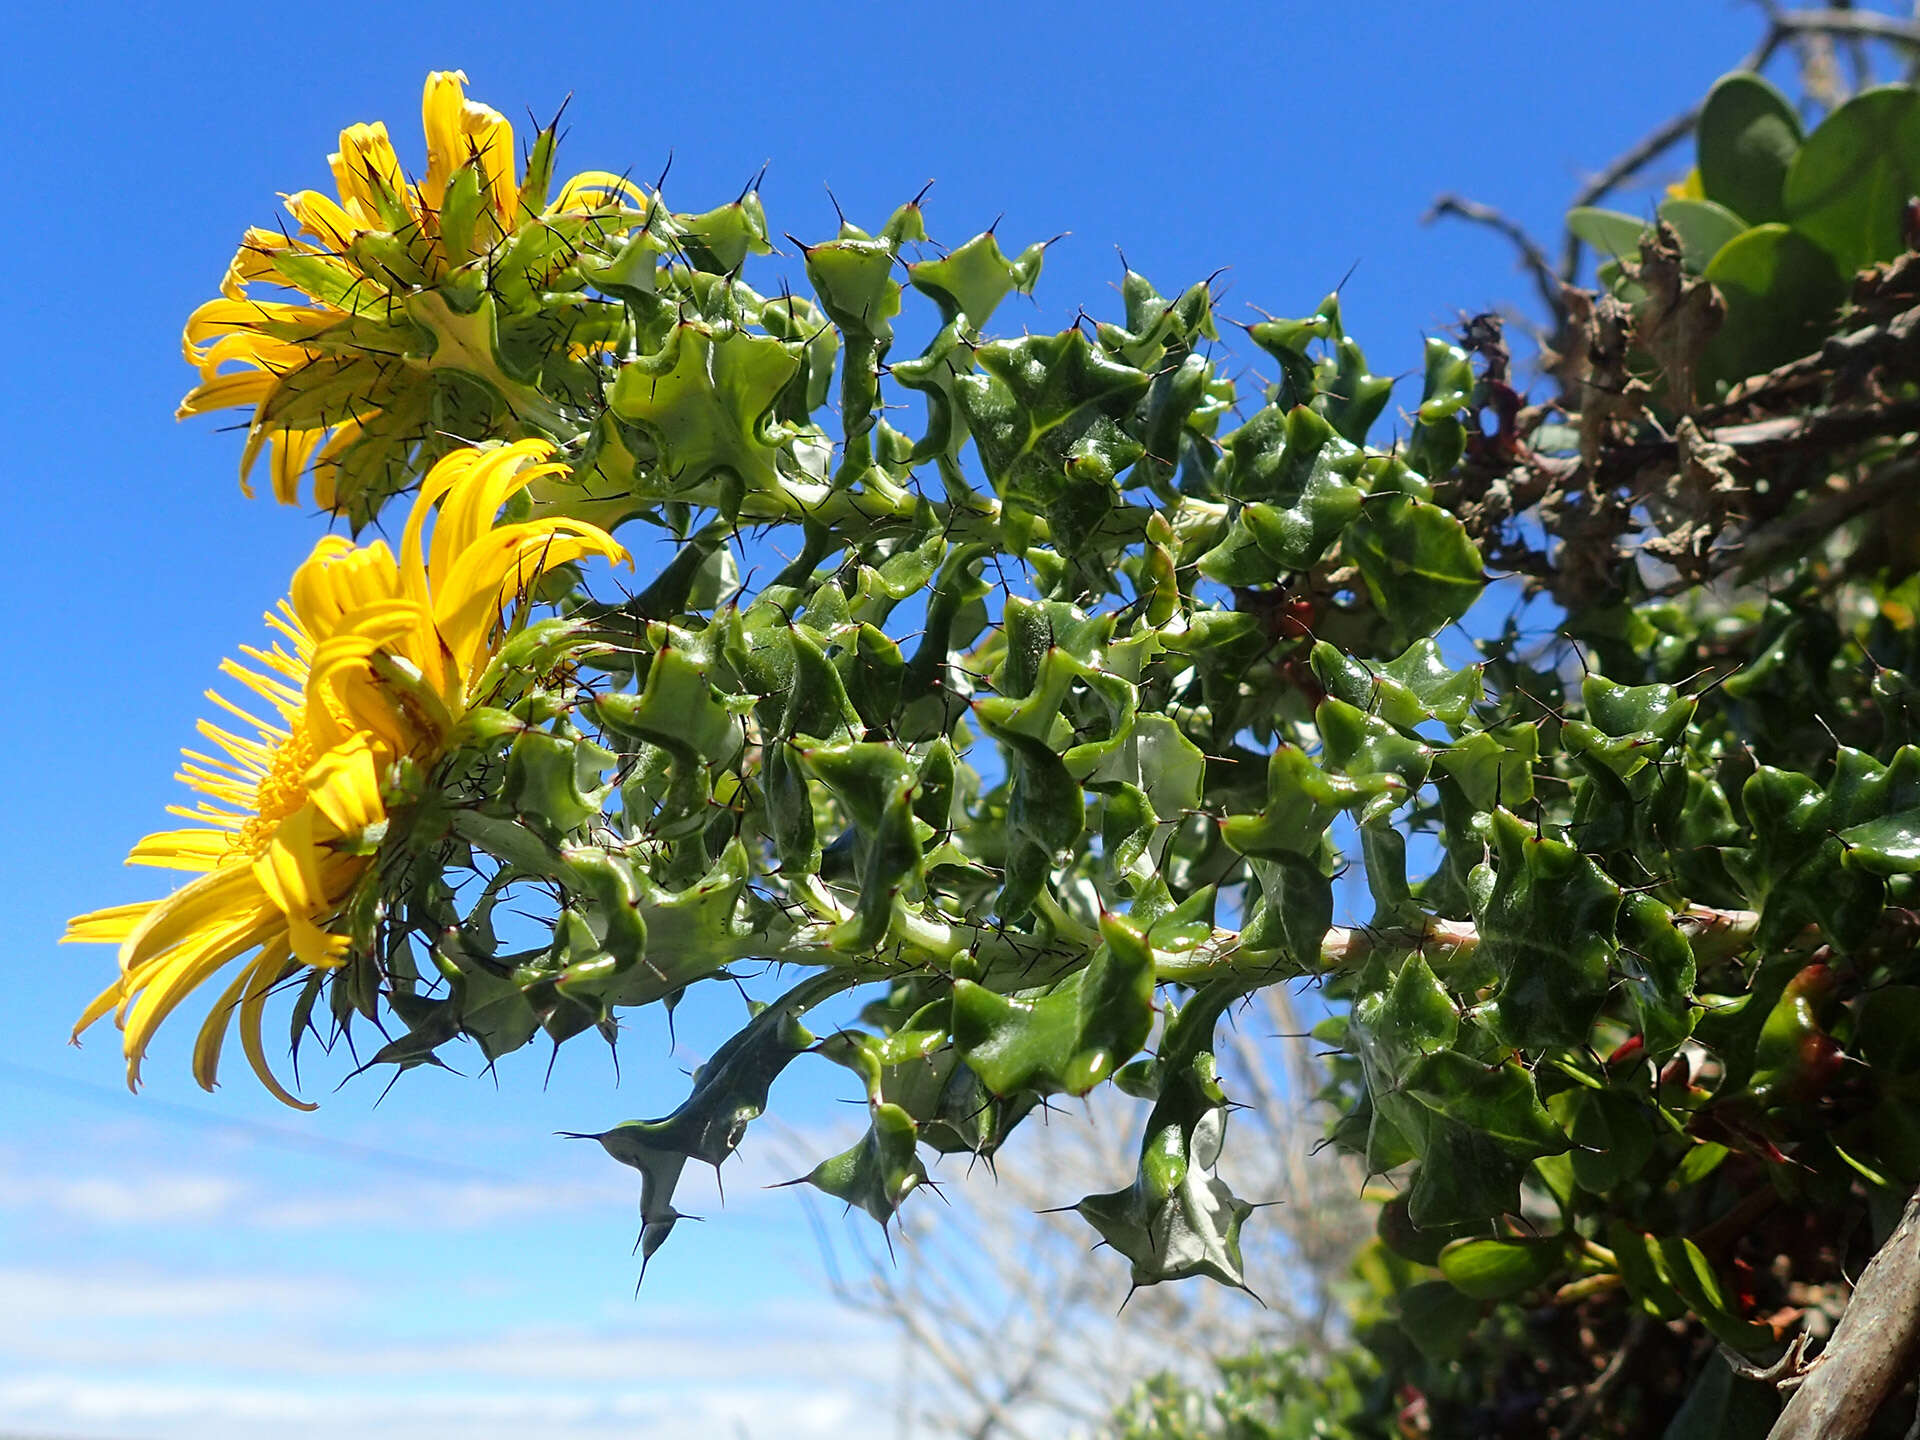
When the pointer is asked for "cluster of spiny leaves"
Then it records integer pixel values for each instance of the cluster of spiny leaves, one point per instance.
(1687, 832)
(1012, 735)
(1084, 675)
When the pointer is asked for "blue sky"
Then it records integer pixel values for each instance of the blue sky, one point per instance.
(180, 1264)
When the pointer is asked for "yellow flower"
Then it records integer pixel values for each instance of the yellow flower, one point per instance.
(1688, 188)
(375, 660)
(345, 366)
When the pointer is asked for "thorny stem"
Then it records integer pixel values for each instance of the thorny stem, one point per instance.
(1000, 956)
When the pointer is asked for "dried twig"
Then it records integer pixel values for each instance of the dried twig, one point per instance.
(1604, 1383)
(1532, 257)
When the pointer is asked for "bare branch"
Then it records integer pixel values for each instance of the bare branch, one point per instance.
(1532, 257)
(1873, 1350)
(1865, 24)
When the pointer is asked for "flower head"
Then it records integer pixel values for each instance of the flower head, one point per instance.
(375, 660)
(399, 283)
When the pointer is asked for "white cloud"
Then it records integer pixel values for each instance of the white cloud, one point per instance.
(294, 1304)
(458, 1204)
(162, 1197)
(152, 1199)
(166, 1409)
(789, 1370)
(38, 1301)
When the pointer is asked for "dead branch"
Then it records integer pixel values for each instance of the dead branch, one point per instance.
(1874, 1349)
(1532, 258)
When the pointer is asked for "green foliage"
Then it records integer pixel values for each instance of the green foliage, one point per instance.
(1071, 672)
(1282, 1395)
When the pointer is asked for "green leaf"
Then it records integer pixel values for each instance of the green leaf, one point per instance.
(1439, 435)
(1497, 1269)
(1612, 1136)
(706, 399)
(1748, 135)
(1178, 1219)
(554, 779)
(719, 241)
(973, 279)
(1416, 1015)
(874, 784)
(854, 280)
(1704, 229)
(1374, 755)
(1296, 475)
(1047, 814)
(1547, 931)
(729, 1093)
(1609, 232)
(1293, 914)
(1421, 569)
(1724, 1406)
(1073, 1036)
(1658, 959)
(1644, 1271)
(1302, 800)
(880, 1170)
(1046, 419)
(1438, 1318)
(1781, 291)
(1352, 397)
(1797, 870)
(1407, 691)
(1692, 1278)
(1890, 845)
(1497, 1103)
(678, 709)
(1493, 767)
(1848, 186)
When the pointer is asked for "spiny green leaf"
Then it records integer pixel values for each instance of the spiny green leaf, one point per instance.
(1421, 569)
(1547, 931)
(706, 398)
(880, 1170)
(1073, 1036)
(1408, 690)
(973, 279)
(1178, 1219)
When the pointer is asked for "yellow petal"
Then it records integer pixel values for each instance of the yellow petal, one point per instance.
(291, 451)
(198, 850)
(107, 1000)
(162, 986)
(109, 926)
(324, 219)
(205, 901)
(213, 1031)
(326, 464)
(440, 108)
(367, 170)
(596, 190)
(262, 975)
(225, 392)
(344, 785)
(494, 574)
(340, 578)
